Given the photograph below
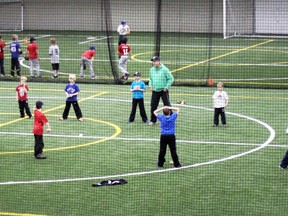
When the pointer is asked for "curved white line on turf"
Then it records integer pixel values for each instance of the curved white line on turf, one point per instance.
(269, 140)
(47, 71)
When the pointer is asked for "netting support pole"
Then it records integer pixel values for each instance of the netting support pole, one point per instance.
(224, 19)
(22, 15)
(158, 27)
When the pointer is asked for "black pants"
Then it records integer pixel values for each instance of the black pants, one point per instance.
(170, 140)
(284, 162)
(23, 104)
(217, 112)
(155, 101)
(139, 101)
(15, 64)
(2, 67)
(39, 144)
(76, 109)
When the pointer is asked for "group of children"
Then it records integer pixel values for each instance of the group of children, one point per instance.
(32, 54)
(71, 91)
(137, 88)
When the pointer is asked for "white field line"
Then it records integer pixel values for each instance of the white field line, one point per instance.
(250, 79)
(43, 36)
(181, 62)
(265, 144)
(82, 136)
(96, 39)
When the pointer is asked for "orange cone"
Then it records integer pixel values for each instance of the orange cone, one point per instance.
(210, 82)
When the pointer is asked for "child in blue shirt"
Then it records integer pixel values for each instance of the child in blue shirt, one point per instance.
(71, 91)
(137, 89)
(168, 129)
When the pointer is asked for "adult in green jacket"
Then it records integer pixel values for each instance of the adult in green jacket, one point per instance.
(160, 80)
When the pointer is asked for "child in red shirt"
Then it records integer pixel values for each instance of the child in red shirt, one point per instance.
(38, 130)
(32, 50)
(87, 57)
(22, 97)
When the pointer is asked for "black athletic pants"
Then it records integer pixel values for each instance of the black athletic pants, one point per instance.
(15, 64)
(170, 140)
(76, 109)
(217, 112)
(155, 101)
(39, 144)
(23, 104)
(139, 101)
(2, 67)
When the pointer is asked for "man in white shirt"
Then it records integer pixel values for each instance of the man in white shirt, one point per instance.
(220, 101)
(123, 30)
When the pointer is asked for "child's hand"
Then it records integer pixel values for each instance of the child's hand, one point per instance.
(48, 129)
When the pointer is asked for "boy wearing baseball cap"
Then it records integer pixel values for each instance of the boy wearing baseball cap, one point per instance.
(33, 55)
(87, 58)
(137, 89)
(38, 130)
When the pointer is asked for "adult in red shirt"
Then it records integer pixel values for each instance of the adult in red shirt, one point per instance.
(38, 130)
(2, 47)
(87, 57)
(22, 97)
(32, 50)
(123, 51)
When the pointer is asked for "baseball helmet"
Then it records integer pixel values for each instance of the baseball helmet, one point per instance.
(137, 73)
(155, 58)
(39, 104)
(32, 39)
(123, 22)
(92, 47)
(124, 39)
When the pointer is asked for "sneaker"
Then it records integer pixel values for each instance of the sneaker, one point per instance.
(214, 125)
(178, 166)
(30, 117)
(80, 119)
(31, 78)
(151, 123)
(40, 156)
(159, 166)
(39, 77)
(2, 75)
(92, 77)
(224, 125)
(129, 122)
(146, 122)
(60, 119)
(284, 168)
(82, 77)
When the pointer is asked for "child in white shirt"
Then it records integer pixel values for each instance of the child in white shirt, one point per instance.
(220, 101)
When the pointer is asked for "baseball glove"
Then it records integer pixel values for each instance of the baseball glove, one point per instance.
(26, 58)
(180, 102)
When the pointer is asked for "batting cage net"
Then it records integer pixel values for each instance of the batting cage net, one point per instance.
(92, 122)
